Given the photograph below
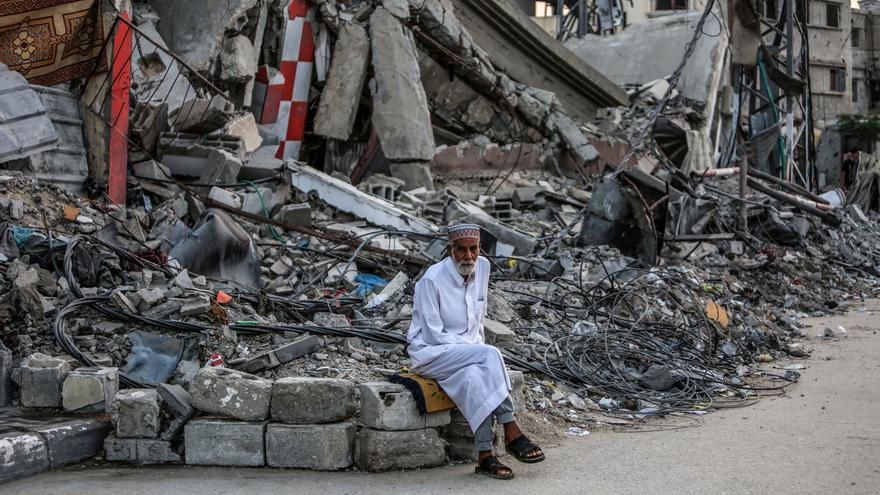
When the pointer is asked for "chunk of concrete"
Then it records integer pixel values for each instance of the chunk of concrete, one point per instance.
(378, 450)
(497, 332)
(211, 442)
(22, 454)
(238, 61)
(388, 406)
(581, 150)
(231, 393)
(284, 354)
(223, 169)
(306, 400)
(136, 413)
(296, 214)
(413, 175)
(201, 116)
(139, 451)
(245, 127)
(40, 378)
(323, 447)
(517, 385)
(90, 390)
(179, 403)
(341, 96)
(400, 107)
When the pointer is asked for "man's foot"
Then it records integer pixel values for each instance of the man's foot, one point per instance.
(519, 446)
(490, 466)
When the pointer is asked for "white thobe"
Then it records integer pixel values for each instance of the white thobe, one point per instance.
(446, 340)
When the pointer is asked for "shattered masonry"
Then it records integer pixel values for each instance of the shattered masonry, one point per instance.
(289, 171)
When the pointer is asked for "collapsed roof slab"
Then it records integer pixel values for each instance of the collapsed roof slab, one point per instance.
(525, 52)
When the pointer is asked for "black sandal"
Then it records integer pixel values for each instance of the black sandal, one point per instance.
(522, 446)
(490, 467)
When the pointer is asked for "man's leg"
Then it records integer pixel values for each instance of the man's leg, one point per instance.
(483, 438)
(512, 431)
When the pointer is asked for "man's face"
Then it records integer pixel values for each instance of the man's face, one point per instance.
(464, 253)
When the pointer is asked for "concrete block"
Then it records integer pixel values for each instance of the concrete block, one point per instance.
(285, 353)
(400, 108)
(201, 116)
(212, 442)
(136, 414)
(40, 378)
(323, 447)
(176, 398)
(296, 214)
(378, 450)
(856, 213)
(388, 406)
(139, 450)
(341, 95)
(305, 400)
(231, 393)
(90, 390)
(497, 332)
(5, 376)
(22, 454)
(73, 441)
(245, 127)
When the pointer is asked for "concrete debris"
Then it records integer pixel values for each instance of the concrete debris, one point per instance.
(231, 393)
(300, 400)
(212, 442)
(342, 92)
(136, 414)
(90, 390)
(400, 108)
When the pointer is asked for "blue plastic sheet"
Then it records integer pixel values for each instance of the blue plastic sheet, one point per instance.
(368, 282)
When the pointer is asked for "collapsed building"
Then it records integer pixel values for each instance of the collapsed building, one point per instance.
(212, 225)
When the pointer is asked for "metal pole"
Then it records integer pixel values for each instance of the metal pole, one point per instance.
(743, 190)
(559, 18)
(789, 103)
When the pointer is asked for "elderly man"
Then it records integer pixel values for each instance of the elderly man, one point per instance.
(446, 343)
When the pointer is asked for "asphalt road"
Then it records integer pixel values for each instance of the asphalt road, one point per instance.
(823, 437)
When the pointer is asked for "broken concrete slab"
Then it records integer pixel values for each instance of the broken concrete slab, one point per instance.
(388, 406)
(40, 378)
(295, 214)
(341, 96)
(245, 128)
(581, 150)
(238, 60)
(136, 413)
(231, 393)
(413, 175)
(400, 108)
(324, 447)
(212, 442)
(306, 400)
(27, 127)
(497, 332)
(378, 450)
(223, 169)
(349, 199)
(90, 390)
(202, 116)
(283, 354)
(179, 402)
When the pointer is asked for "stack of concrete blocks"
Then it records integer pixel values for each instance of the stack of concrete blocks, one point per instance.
(236, 436)
(460, 437)
(393, 434)
(137, 422)
(311, 426)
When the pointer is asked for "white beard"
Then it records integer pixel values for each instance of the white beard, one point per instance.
(465, 268)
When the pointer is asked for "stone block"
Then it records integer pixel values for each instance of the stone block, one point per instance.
(323, 447)
(139, 450)
(90, 390)
(378, 450)
(497, 332)
(388, 406)
(73, 441)
(231, 393)
(517, 383)
(5, 376)
(306, 400)
(40, 378)
(200, 116)
(137, 414)
(212, 442)
(22, 454)
(176, 398)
